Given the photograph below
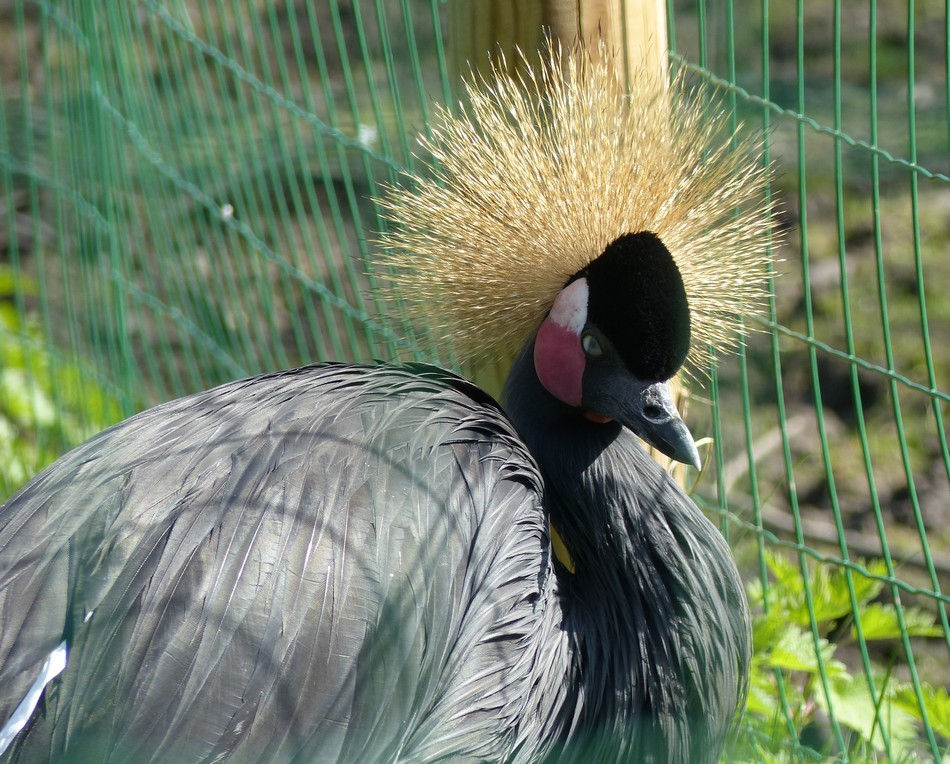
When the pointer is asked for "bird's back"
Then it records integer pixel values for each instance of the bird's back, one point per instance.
(327, 563)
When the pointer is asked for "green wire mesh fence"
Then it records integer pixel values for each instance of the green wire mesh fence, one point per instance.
(186, 195)
(839, 457)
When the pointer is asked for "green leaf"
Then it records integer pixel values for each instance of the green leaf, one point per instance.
(23, 401)
(794, 650)
(879, 621)
(936, 703)
(47, 403)
(15, 456)
(767, 630)
(754, 592)
(763, 696)
(830, 588)
(786, 573)
(11, 283)
(853, 705)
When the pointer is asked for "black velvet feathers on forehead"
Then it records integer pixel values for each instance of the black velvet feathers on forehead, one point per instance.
(638, 301)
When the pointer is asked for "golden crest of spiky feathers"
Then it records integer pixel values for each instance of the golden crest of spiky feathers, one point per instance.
(543, 170)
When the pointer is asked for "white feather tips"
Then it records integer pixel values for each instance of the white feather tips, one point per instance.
(51, 668)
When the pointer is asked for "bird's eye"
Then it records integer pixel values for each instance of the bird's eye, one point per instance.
(591, 346)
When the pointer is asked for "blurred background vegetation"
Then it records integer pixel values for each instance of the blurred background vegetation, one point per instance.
(186, 189)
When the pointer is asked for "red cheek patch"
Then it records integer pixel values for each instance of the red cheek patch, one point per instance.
(558, 356)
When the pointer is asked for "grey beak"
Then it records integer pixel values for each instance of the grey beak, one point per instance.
(652, 415)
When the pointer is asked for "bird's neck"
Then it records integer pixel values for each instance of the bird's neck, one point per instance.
(643, 609)
(596, 477)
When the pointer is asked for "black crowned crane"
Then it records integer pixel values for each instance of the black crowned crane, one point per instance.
(354, 563)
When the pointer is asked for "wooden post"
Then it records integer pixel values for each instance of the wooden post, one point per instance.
(480, 29)
(637, 28)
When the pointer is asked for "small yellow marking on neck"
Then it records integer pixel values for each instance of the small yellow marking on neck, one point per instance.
(560, 550)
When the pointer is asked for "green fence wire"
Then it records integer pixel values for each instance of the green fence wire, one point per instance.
(186, 193)
(844, 459)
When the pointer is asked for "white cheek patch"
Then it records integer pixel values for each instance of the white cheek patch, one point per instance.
(570, 307)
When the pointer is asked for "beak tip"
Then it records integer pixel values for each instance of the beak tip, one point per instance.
(694, 460)
(684, 450)
(680, 448)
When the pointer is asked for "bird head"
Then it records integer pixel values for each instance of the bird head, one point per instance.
(614, 336)
(624, 232)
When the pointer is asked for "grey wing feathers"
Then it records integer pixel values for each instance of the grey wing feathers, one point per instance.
(306, 566)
